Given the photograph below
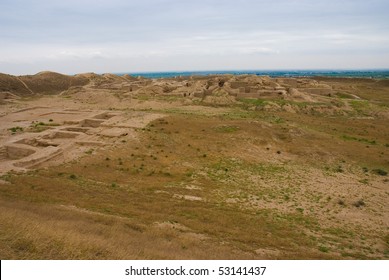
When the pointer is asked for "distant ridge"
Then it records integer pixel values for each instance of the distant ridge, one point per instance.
(47, 82)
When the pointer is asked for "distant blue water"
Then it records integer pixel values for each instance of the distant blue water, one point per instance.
(378, 74)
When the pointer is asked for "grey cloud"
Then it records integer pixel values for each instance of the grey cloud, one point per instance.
(212, 32)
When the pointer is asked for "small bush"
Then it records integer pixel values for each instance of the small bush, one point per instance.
(72, 176)
(15, 129)
(359, 203)
(380, 172)
(339, 169)
(364, 181)
(341, 202)
(323, 249)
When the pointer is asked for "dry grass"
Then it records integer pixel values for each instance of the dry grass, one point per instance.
(267, 186)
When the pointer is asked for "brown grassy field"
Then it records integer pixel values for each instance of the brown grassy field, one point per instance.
(213, 182)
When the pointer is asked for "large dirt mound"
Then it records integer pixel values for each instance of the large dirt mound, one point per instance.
(12, 84)
(41, 83)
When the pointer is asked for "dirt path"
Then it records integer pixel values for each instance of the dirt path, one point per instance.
(25, 85)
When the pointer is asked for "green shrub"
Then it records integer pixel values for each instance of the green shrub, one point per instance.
(380, 172)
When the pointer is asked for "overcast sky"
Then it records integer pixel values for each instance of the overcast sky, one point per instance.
(73, 36)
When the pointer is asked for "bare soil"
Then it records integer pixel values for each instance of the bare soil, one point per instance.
(222, 167)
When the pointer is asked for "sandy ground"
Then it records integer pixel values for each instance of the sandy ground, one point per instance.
(140, 169)
(54, 130)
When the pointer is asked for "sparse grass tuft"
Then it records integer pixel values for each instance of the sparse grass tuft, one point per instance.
(341, 202)
(15, 129)
(323, 249)
(364, 140)
(339, 169)
(364, 181)
(216, 189)
(227, 128)
(359, 203)
(380, 172)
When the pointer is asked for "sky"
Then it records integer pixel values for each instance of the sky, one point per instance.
(76, 36)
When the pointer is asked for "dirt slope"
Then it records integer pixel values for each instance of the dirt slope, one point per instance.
(41, 83)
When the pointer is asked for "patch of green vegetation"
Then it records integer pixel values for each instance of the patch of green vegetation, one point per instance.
(41, 126)
(323, 249)
(360, 106)
(267, 168)
(15, 129)
(380, 172)
(181, 111)
(6, 177)
(344, 95)
(339, 169)
(387, 239)
(273, 119)
(253, 101)
(300, 104)
(168, 98)
(364, 140)
(142, 97)
(339, 232)
(336, 102)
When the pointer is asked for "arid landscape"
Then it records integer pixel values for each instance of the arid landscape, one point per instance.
(201, 167)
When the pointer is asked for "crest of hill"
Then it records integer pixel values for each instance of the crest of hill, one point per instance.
(51, 82)
(41, 83)
(89, 75)
(12, 84)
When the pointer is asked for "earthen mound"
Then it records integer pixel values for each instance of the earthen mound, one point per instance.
(41, 83)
